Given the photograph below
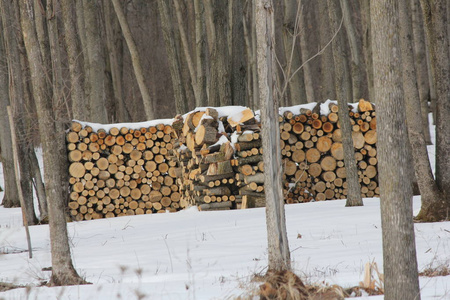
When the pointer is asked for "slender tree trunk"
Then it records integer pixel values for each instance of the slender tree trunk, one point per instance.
(401, 279)
(172, 56)
(96, 63)
(63, 272)
(10, 197)
(75, 61)
(237, 55)
(137, 66)
(219, 79)
(420, 59)
(279, 256)
(367, 46)
(327, 86)
(356, 61)
(435, 16)
(428, 188)
(340, 70)
(436, 24)
(19, 97)
(200, 54)
(306, 53)
(291, 34)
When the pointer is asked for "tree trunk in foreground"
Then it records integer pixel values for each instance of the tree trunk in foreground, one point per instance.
(63, 272)
(399, 251)
(279, 256)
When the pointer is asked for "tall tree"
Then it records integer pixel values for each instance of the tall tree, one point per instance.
(429, 190)
(356, 59)
(279, 255)
(135, 59)
(63, 272)
(435, 16)
(95, 62)
(421, 61)
(75, 61)
(10, 197)
(340, 71)
(172, 56)
(399, 251)
(305, 51)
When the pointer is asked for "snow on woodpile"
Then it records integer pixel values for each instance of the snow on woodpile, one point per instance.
(212, 158)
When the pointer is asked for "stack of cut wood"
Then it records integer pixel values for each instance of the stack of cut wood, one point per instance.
(204, 155)
(313, 157)
(248, 164)
(121, 171)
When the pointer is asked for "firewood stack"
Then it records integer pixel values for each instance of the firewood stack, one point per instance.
(205, 154)
(121, 171)
(313, 157)
(249, 165)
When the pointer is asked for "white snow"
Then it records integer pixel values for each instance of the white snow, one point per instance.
(97, 126)
(211, 255)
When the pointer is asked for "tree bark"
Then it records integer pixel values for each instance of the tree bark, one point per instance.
(356, 60)
(367, 46)
(10, 197)
(431, 195)
(95, 63)
(421, 62)
(75, 59)
(172, 56)
(63, 272)
(435, 16)
(327, 86)
(279, 255)
(306, 54)
(399, 252)
(340, 70)
(200, 54)
(137, 66)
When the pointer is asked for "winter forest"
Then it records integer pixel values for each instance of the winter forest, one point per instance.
(157, 106)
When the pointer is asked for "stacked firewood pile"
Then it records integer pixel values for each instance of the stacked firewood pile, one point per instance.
(205, 154)
(121, 171)
(212, 158)
(313, 157)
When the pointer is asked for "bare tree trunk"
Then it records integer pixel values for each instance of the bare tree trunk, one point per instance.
(356, 61)
(306, 54)
(367, 46)
(428, 188)
(237, 55)
(279, 256)
(421, 62)
(10, 197)
(401, 279)
(291, 28)
(75, 60)
(172, 56)
(63, 272)
(340, 70)
(200, 54)
(19, 97)
(435, 16)
(219, 79)
(96, 63)
(137, 66)
(327, 79)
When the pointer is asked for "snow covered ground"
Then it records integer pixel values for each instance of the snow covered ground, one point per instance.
(211, 255)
